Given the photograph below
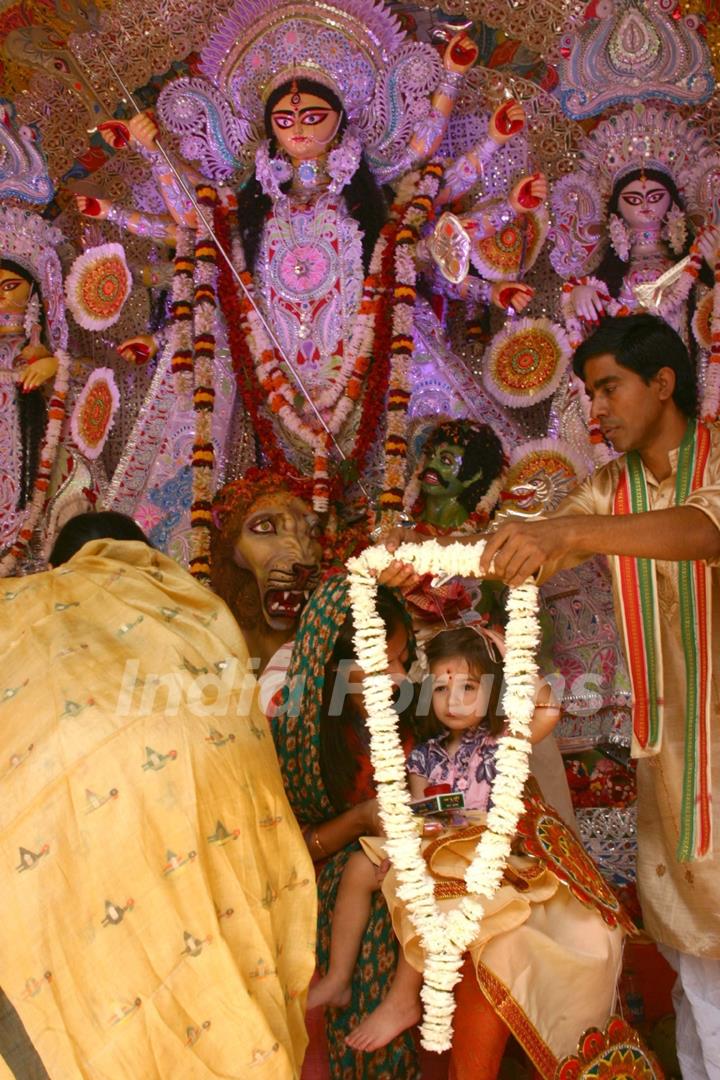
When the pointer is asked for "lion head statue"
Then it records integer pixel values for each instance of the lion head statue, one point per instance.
(266, 554)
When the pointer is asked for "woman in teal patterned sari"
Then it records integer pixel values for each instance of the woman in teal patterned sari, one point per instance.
(322, 746)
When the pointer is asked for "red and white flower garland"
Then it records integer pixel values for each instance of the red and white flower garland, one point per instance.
(203, 453)
(445, 936)
(413, 218)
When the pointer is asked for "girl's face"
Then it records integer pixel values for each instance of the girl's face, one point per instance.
(304, 125)
(459, 699)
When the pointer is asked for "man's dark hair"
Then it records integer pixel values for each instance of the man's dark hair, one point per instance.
(643, 344)
(102, 525)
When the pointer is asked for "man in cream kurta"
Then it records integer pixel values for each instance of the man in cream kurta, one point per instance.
(157, 912)
(641, 385)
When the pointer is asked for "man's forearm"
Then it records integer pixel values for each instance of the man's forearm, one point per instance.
(681, 532)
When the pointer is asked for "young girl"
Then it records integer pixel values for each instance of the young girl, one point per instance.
(466, 679)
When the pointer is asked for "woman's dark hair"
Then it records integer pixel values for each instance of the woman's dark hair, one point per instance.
(364, 198)
(643, 344)
(30, 405)
(338, 767)
(475, 650)
(100, 525)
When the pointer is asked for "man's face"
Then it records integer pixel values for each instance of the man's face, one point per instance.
(440, 474)
(628, 410)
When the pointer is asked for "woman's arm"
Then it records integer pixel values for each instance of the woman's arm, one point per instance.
(332, 836)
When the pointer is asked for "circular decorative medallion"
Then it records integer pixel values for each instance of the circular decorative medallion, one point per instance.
(306, 271)
(94, 412)
(618, 1053)
(501, 256)
(526, 362)
(98, 285)
(702, 321)
(547, 837)
(542, 472)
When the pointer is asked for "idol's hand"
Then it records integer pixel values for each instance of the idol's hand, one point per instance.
(507, 120)
(93, 208)
(587, 302)
(144, 131)
(511, 294)
(709, 245)
(115, 133)
(529, 192)
(138, 350)
(460, 54)
(39, 371)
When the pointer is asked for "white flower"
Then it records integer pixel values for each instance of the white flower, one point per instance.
(445, 937)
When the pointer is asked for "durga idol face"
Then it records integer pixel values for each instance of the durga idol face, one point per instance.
(304, 125)
(644, 203)
(14, 295)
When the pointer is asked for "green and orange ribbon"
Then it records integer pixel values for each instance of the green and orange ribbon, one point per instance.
(641, 627)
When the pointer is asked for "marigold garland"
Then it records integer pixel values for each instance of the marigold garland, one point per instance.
(445, 937)
(264, 383)
(412, 219)
(181, 313)
(48, 453)
(203, 453)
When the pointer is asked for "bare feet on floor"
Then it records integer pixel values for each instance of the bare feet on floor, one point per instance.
(384, 1024)
(329, 991)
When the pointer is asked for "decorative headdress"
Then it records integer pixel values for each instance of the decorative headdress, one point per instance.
(646, 136)
(639, 51)
(30, 241)
(356, 48)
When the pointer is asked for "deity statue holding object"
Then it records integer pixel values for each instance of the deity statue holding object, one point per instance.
(316, 348)
(637, 226)
(42, 475)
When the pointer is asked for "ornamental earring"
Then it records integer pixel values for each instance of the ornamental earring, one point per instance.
(271, 173)
(31, 322)
(343, 161)
(619, 237)
(675, 231)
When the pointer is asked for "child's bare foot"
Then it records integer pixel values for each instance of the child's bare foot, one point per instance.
(329, 991)
(384, 1024)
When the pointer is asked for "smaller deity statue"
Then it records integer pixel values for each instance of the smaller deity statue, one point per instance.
(641, 201)
(458, 480)
(266, 552)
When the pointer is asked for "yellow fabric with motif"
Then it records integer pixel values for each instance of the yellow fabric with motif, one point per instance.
(157, 915)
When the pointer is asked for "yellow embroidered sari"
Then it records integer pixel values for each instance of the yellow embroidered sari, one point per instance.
(157, 915)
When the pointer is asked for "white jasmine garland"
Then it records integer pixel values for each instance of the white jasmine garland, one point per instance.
(445, 936)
